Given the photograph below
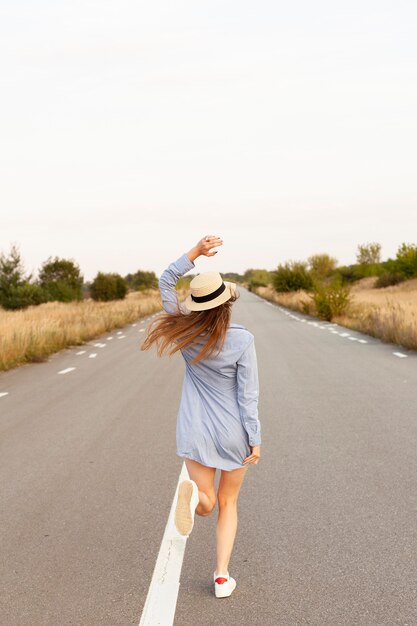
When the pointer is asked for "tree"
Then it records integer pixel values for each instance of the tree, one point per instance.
(406, 260)
(322, 265)
(142, 280)
(61, 280)
(369, 254)
(107, 287)
(16, 290)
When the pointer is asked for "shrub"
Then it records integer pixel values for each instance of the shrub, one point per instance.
(16, 290)
(291, 277)
(107, 287)
(61, 280)
(406, 260)
(387, 279)
(257, 278)
(330, 299)
(141, 280)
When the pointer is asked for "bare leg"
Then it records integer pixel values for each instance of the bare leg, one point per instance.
(204, 478)
(228, 493)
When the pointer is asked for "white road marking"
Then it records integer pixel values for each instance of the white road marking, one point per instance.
(100, 345)
(362, 341)
(143, 321)
(142, 330)
(134, 325)
(68, 369)
(81, 352)
(4, 393)
(92, 355)
(109, 338)
(161, 600)
(400, 355)
(120, 332)
(344, 334)
(353, 338)
(121, 337)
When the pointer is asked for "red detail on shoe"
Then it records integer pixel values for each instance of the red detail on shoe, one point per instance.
(220, 580)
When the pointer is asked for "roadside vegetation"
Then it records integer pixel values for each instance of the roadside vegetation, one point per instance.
(373, 296)
(58, 309)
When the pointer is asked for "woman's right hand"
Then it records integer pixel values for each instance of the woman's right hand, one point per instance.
(205, 247)
(255, 455)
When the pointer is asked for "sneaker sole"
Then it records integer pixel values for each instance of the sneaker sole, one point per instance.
(183, 517)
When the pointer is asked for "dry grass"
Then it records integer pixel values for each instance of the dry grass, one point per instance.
(35, 333)
(389, 313)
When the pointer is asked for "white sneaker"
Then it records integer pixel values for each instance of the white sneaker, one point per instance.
(188, 499)
(223, 585)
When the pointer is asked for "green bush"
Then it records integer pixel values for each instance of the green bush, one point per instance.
(61, 280)
(257, 278)
(330, 299)
(387, 279)
(406, 260)
(292, 276)
(141, 280)
(107, 287)
(22, 296)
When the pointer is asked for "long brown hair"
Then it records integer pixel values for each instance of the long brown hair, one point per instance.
(171, 332)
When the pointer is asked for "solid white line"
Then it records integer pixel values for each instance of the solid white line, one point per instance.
(4, 393)
(80, 352)
(93, 355)
(69, 369)
(161, 600)
(400, 355)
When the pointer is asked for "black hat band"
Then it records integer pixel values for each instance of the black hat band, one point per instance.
(209, 296)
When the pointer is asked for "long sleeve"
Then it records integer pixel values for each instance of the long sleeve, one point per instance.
(168, 280)
(248, 393)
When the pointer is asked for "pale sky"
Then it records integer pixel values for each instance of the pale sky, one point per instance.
(130, 129)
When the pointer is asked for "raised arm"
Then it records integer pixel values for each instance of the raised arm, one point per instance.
(248, 393)
(181, 266)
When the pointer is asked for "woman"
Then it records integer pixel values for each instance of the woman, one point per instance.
(217, 421)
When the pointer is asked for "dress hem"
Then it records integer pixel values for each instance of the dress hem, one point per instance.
(224, 469)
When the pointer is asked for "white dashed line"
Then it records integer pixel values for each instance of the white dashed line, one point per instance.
(100, 345)
(400, 355)
(81, 352)
(121, 337)
(109, 338)
(362, 341)
(69, 369)
(143, 321)
(120, 332)
(4, 393)
(142, 330)
(353, 338)
(93, 355)
(134, 325)
(344, 334)
(161, 600)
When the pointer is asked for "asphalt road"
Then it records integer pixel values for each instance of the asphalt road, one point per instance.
(327, 521)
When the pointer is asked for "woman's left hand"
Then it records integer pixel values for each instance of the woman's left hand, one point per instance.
(254, 456)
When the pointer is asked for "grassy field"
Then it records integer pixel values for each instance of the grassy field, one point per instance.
(389, 313)
(34, 333)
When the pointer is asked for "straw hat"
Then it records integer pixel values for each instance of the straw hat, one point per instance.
(208, 290)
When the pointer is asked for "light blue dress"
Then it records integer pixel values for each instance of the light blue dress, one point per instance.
(217, 418)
